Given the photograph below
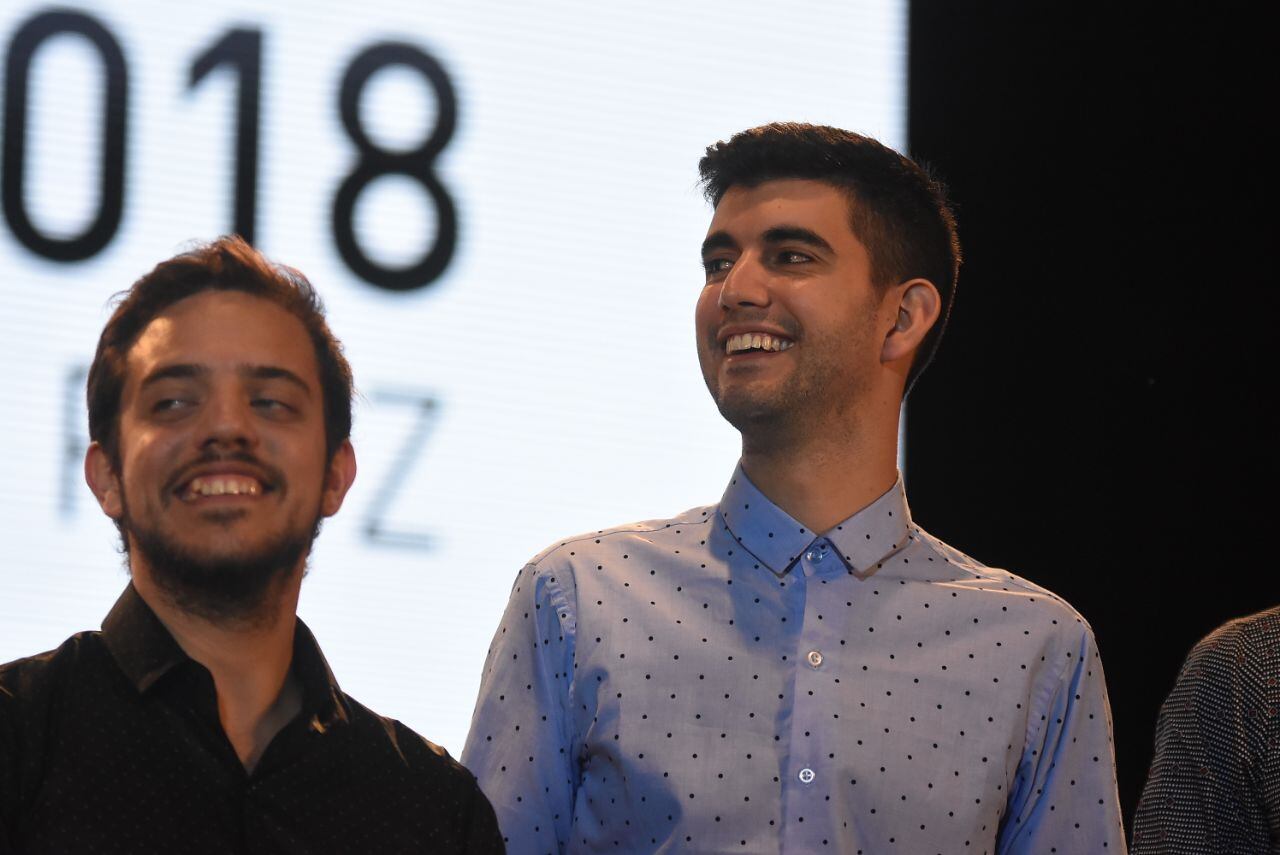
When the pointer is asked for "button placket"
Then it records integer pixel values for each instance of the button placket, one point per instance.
(813, 741)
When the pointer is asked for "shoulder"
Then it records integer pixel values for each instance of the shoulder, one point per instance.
(1257, 633)
(33, 691)
(1244, 647)
(25, 682)
(554, 578)
(391, 741)
(579, 549)
(416, 781)
(1017, 597)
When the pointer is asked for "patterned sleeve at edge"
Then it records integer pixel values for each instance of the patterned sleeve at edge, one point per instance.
(521, 747)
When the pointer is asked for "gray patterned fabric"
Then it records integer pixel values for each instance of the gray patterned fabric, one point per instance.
(1214, 786)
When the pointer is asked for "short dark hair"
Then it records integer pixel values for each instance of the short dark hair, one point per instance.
(226, 264)
(897, 209)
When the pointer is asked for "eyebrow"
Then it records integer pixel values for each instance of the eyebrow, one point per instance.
(777, 234)
(173, 372)
(797, 234)
(182, 371)
(272, 372)
(718, 240)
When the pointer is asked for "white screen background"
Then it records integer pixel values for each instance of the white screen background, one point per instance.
(557, 346)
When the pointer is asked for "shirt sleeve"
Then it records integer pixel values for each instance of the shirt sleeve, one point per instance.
(1197, 798)
(1064, 797)
(522, 747)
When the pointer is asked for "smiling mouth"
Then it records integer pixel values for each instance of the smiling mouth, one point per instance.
(205, 486)
(757, 342)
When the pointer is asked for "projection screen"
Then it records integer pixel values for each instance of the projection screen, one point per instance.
(498, 204)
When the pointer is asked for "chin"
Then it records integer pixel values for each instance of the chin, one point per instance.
(747, 412)
(227, 575)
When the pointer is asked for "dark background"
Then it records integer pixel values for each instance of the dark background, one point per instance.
(1094, 421)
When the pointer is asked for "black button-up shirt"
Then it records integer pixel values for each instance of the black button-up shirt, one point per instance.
(112, 743)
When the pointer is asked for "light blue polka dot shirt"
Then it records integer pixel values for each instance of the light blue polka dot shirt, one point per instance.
(726, 681)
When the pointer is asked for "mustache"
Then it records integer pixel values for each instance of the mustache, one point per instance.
(270, 476)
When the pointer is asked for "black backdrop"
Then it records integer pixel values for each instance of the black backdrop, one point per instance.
(1095, 419)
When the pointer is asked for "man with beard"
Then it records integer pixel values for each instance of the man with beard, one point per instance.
(799, 668)
(203, 718)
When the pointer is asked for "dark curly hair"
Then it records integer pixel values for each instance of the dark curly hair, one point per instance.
(897, 209)
(226, 264)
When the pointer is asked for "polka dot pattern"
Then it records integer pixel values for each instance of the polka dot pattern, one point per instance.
(1214, 785)
(112, 744)
(726, 681)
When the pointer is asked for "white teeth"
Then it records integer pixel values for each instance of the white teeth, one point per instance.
(222, 485)
(756, 341)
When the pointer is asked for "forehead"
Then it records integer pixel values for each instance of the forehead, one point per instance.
(794, 201)
(223, 329)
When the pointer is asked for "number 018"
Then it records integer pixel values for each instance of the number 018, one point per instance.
(240, 50)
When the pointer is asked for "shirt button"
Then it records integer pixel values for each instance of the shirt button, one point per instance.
(806, 776)
(815, 658)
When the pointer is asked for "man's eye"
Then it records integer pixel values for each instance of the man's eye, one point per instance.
(793, 257)
(169, 404)
(717, 265)
(274, 407)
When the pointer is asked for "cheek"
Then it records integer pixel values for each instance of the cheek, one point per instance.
(147, 461)
(706, 314)
(301, 461)
(833, 309)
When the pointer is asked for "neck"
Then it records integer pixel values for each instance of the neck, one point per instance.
(823, 478)
(249, 660)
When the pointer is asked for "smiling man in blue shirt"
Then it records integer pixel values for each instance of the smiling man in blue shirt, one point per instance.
(799, 668)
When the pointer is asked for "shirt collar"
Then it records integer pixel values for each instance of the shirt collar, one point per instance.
(863, 541)
(138, 641)
(145, 651)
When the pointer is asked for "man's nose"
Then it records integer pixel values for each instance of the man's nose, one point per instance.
(746, 284)
(229, 420)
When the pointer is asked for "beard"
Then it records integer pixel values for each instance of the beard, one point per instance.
(219, 589)
(784, 415)
(821, 396)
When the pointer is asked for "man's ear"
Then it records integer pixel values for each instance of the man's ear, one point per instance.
(917, 310)
(338, 478)
(103, 480)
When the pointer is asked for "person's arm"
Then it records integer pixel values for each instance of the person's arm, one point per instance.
(482, 834)
(521, 747)
(1198, 797)
(1181, 792)
(1064, 798)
